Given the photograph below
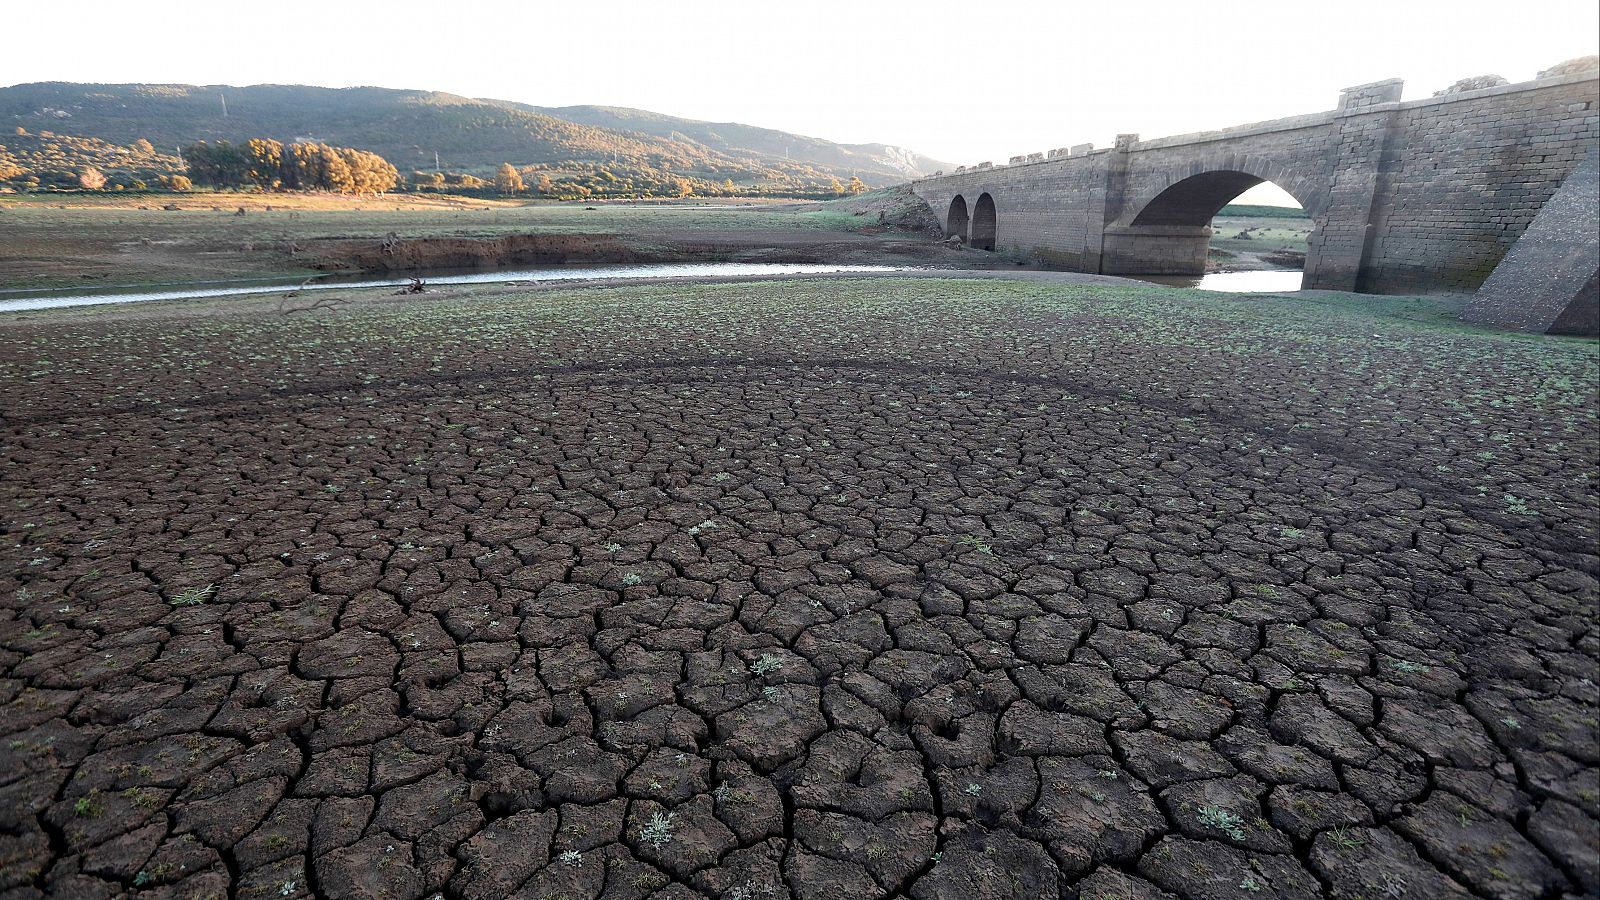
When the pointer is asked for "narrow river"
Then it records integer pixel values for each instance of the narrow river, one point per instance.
(1271, 281)
(12, 301)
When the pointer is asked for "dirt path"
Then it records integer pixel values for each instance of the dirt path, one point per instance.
(819, 588)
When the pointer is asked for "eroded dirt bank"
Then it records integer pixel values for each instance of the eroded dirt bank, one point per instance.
(408, 254)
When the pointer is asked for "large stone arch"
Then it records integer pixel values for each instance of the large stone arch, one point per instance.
(985, 222)
(1164, 227)
(1204, 179)
(955, 222)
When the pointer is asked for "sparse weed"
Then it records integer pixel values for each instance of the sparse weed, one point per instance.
(658, 831)
(194, 596)
(1222, 820)
(766, 664)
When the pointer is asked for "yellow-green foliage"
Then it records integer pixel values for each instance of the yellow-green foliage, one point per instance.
(32, 159)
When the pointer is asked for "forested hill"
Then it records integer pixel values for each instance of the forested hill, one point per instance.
(734, 138)
(409, 128)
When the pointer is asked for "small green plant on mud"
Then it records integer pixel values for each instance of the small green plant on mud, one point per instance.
(976, 543)
(86, 808)
(572, 858)
(1517, 506)
(766, 664)
(1341, 837)
(632, 579)
(1222, 820)
(658, 831)
(194, 596)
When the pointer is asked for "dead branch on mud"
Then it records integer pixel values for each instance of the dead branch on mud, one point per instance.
(320, 303)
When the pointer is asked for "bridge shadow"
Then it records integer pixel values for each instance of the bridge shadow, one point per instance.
(955, 224)
(984, 224)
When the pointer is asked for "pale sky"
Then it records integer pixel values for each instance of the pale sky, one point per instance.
(960, 81)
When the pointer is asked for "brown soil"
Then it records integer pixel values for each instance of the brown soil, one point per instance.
(833, 588)
(869, 246)
(463, 253)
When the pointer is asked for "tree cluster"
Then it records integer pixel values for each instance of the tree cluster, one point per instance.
(270, 166)
(44, 160)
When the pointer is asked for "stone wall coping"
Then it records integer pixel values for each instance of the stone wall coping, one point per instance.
(1372, 84)
(1292, 123)
(1534, 85)
(1309, 120)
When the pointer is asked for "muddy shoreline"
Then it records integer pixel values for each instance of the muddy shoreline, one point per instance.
(419, 254)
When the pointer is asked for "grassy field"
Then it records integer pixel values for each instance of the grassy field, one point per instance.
(1268, 234)
(934, 587)
(97, 240)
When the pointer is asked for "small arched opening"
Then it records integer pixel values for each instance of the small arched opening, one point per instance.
(955, 224)
(983, 223)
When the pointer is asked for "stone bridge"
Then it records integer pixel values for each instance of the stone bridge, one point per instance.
(1418, 196)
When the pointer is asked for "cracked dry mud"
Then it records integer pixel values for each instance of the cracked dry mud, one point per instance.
(921, 588)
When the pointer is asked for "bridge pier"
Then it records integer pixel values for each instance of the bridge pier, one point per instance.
(1155, 250)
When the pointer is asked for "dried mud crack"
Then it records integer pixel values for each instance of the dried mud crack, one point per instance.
(909, 588)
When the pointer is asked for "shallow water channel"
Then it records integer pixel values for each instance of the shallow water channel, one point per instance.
(1272, 281)
(12, 301)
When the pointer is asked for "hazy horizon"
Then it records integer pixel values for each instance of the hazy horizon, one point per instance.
(943, 79)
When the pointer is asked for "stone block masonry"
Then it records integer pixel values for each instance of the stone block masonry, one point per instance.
(1419, 196)
(1547, 283)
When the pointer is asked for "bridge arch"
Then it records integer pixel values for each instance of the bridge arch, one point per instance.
(1194, 199)
(955, 223)
(1165, 226)
(984, 223)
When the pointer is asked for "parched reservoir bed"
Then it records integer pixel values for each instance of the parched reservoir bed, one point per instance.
(871, 587)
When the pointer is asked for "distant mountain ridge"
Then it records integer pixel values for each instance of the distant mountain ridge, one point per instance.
(730, 137)
(411, 128)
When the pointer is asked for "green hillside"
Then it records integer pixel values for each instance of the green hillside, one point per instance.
(414, 128)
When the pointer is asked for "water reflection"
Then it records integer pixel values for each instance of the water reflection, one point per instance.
(1267, 281)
